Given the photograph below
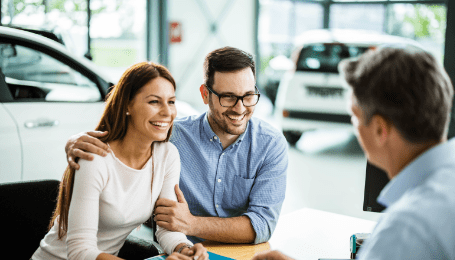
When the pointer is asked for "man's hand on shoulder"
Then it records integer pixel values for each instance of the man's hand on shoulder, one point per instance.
(174, 216)
(82, 145)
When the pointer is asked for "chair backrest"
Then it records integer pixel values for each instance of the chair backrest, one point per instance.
(26, 209)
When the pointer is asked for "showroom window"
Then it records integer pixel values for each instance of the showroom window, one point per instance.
(117, 29)
(281, 22)
(35, 76)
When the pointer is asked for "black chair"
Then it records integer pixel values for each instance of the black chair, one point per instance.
(26, 209)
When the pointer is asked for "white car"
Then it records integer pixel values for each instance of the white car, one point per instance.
(311, 95)
(46, 95)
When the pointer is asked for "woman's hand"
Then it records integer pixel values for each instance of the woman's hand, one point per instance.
(197, 252)
(82, 144)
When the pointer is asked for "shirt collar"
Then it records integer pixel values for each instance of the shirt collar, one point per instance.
(415, 173)
(207, 129)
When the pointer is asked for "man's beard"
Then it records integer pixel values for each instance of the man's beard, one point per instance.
(220, 120)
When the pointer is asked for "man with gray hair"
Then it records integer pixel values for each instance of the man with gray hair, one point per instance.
(400, 106)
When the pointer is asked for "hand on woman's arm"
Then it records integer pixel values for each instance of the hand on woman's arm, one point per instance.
(82, 144)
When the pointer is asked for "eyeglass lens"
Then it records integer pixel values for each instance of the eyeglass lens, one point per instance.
(248, 100)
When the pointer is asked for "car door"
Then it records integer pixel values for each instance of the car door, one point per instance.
(51, 100)
(10, 148)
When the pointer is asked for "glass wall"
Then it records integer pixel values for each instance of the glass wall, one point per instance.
(425, 23)
(118, 34)
(117, 28)
(357, 16)
(282, 21)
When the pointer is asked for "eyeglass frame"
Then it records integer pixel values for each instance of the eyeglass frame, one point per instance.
(238, 97)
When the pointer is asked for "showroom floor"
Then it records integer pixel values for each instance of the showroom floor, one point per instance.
(327, 172)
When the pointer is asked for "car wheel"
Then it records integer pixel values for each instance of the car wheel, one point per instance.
(292, 136)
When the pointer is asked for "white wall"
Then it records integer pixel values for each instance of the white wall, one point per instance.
(235, 28)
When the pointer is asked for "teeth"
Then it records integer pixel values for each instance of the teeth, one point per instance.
(237, 118)
(161, 124)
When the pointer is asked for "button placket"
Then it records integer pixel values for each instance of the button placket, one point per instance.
(219, 189)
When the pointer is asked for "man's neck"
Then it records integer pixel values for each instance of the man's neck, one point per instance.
(399, 158)
(226, 139)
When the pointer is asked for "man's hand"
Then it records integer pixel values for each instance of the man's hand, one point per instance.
(81, 145)
(270, 255)
(174, 216)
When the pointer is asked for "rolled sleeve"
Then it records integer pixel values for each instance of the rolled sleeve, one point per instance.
(268, 191)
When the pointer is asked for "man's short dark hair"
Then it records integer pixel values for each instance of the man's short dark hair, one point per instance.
(407, 86)
(226, 59)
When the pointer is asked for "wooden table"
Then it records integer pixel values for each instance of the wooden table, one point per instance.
(235, 251)
(312, 234)
(305, 234)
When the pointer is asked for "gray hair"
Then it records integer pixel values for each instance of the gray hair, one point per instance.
(407, 86)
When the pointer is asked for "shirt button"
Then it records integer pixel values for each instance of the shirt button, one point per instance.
(211, 140)
(222, 154)
(215, 137)
(219, 180)
(216, 205)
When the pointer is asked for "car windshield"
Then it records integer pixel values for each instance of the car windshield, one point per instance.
(325, 57)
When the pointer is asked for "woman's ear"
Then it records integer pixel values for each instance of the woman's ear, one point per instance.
(204, 94)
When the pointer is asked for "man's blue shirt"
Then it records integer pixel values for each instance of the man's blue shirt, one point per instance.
(419, 220)
(248, 178)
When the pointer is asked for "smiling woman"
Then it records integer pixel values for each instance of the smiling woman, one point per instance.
(151, 112)
(103, 201)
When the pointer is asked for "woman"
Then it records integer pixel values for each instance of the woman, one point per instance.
(103, 201)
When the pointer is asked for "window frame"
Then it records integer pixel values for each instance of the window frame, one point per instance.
(102, 85)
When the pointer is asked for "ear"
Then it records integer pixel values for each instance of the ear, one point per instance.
(204, 94)
(128, 108)
(381, 129)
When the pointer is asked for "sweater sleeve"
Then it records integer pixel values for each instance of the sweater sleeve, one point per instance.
(83, 215)
(168, 239)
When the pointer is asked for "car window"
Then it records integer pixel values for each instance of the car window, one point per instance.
(325, 57)
(32, 75)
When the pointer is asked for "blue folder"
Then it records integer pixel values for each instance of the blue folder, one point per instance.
(212, 256)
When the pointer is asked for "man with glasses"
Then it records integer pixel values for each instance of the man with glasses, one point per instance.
(233, 166)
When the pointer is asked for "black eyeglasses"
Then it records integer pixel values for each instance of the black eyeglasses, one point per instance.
(226, 100)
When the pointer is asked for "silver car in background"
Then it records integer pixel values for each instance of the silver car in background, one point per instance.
(311, 95)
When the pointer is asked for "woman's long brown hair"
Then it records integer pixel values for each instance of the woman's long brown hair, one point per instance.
(113, 120)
